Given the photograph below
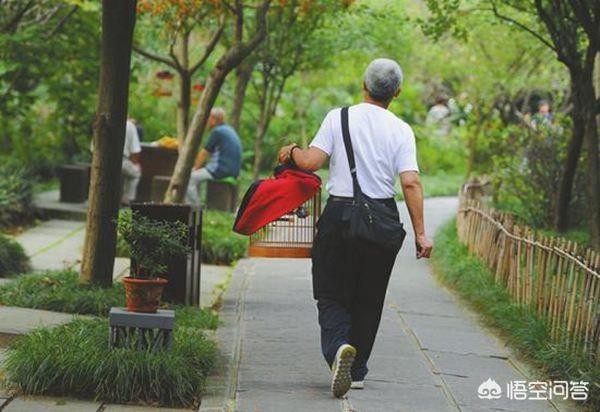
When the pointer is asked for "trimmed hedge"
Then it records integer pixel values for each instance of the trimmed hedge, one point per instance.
(13, 259)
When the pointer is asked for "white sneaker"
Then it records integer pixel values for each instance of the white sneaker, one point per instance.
(357, 385)
(341, 380)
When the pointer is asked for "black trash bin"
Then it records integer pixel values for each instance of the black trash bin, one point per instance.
(183, 273)
(74, 183)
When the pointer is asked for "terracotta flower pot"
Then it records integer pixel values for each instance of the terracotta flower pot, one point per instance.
(143, 295)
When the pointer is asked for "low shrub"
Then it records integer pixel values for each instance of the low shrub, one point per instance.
(16, 194)
(438, 184)
(61, 291)
(74, 360)
(527, 169)
(13, 259)
(521, 327)
(220, 245)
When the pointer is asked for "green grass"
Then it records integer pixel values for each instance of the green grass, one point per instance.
(46, 185)
(522, 328)
(579, 236)
(220, 245)
(13, 259)
(74, 360)
(61, 291)
(439, 184)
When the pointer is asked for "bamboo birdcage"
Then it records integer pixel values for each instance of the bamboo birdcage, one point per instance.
(289, 236)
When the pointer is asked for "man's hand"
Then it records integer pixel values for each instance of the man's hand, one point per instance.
(424, 247)
(284, 153)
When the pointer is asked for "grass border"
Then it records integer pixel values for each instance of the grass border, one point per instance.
(523, 329)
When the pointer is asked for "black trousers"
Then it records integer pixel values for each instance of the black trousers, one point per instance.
(350, 279)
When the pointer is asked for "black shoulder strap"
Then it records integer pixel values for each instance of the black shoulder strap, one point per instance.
(350, 151)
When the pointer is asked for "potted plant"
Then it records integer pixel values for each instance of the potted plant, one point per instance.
(152, 243)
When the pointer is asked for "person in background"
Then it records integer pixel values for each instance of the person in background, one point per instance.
(224, 151)
(350, 276)
(131, 168)
(543, 117)
(438, 116)
(139, 128)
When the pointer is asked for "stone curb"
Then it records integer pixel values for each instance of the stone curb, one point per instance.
(222, 385)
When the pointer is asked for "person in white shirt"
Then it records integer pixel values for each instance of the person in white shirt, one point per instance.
(350, 276)
(131, 169)
(438, 117)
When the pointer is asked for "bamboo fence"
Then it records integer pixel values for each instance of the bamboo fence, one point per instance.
(556, 278)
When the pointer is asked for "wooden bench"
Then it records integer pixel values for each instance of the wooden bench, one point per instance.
(155, 161)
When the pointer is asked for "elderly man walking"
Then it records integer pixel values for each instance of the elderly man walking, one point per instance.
(350, 274)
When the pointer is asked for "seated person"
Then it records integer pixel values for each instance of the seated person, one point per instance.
(131, 169)
(225, 151)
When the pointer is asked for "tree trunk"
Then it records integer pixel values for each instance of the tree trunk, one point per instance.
(244, 73)
(229, 61)
(185, 89)
(187, 152)
(565, 188)
(118, 21)
(593, 169)
(183, 106)
(261, 130)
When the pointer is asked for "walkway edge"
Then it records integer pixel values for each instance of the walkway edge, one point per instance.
(222, 385)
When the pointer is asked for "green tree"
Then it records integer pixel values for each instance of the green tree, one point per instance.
(118, 22)
(187, 32)
(296, 42)
(571, 29)
(243, 45)
(44, 104)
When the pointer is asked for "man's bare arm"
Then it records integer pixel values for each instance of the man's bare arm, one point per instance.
(413, 195)
(309, 159)
(201, 158)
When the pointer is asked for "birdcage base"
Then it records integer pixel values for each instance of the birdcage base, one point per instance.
(280, 252)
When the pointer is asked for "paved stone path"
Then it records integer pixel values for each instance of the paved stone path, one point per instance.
(57, 244)
(431, 353)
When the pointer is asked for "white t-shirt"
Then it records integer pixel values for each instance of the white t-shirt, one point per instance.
(132, 140)
(384, 147)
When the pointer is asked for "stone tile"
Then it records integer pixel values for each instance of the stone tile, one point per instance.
(454, 334)
(18, 321)
(121, 268)
(35, 404)
(385, 396)
(213, 281)
(136, 408)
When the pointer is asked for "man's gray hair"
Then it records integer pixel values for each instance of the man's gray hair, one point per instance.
(383, 79)
(218, 113)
